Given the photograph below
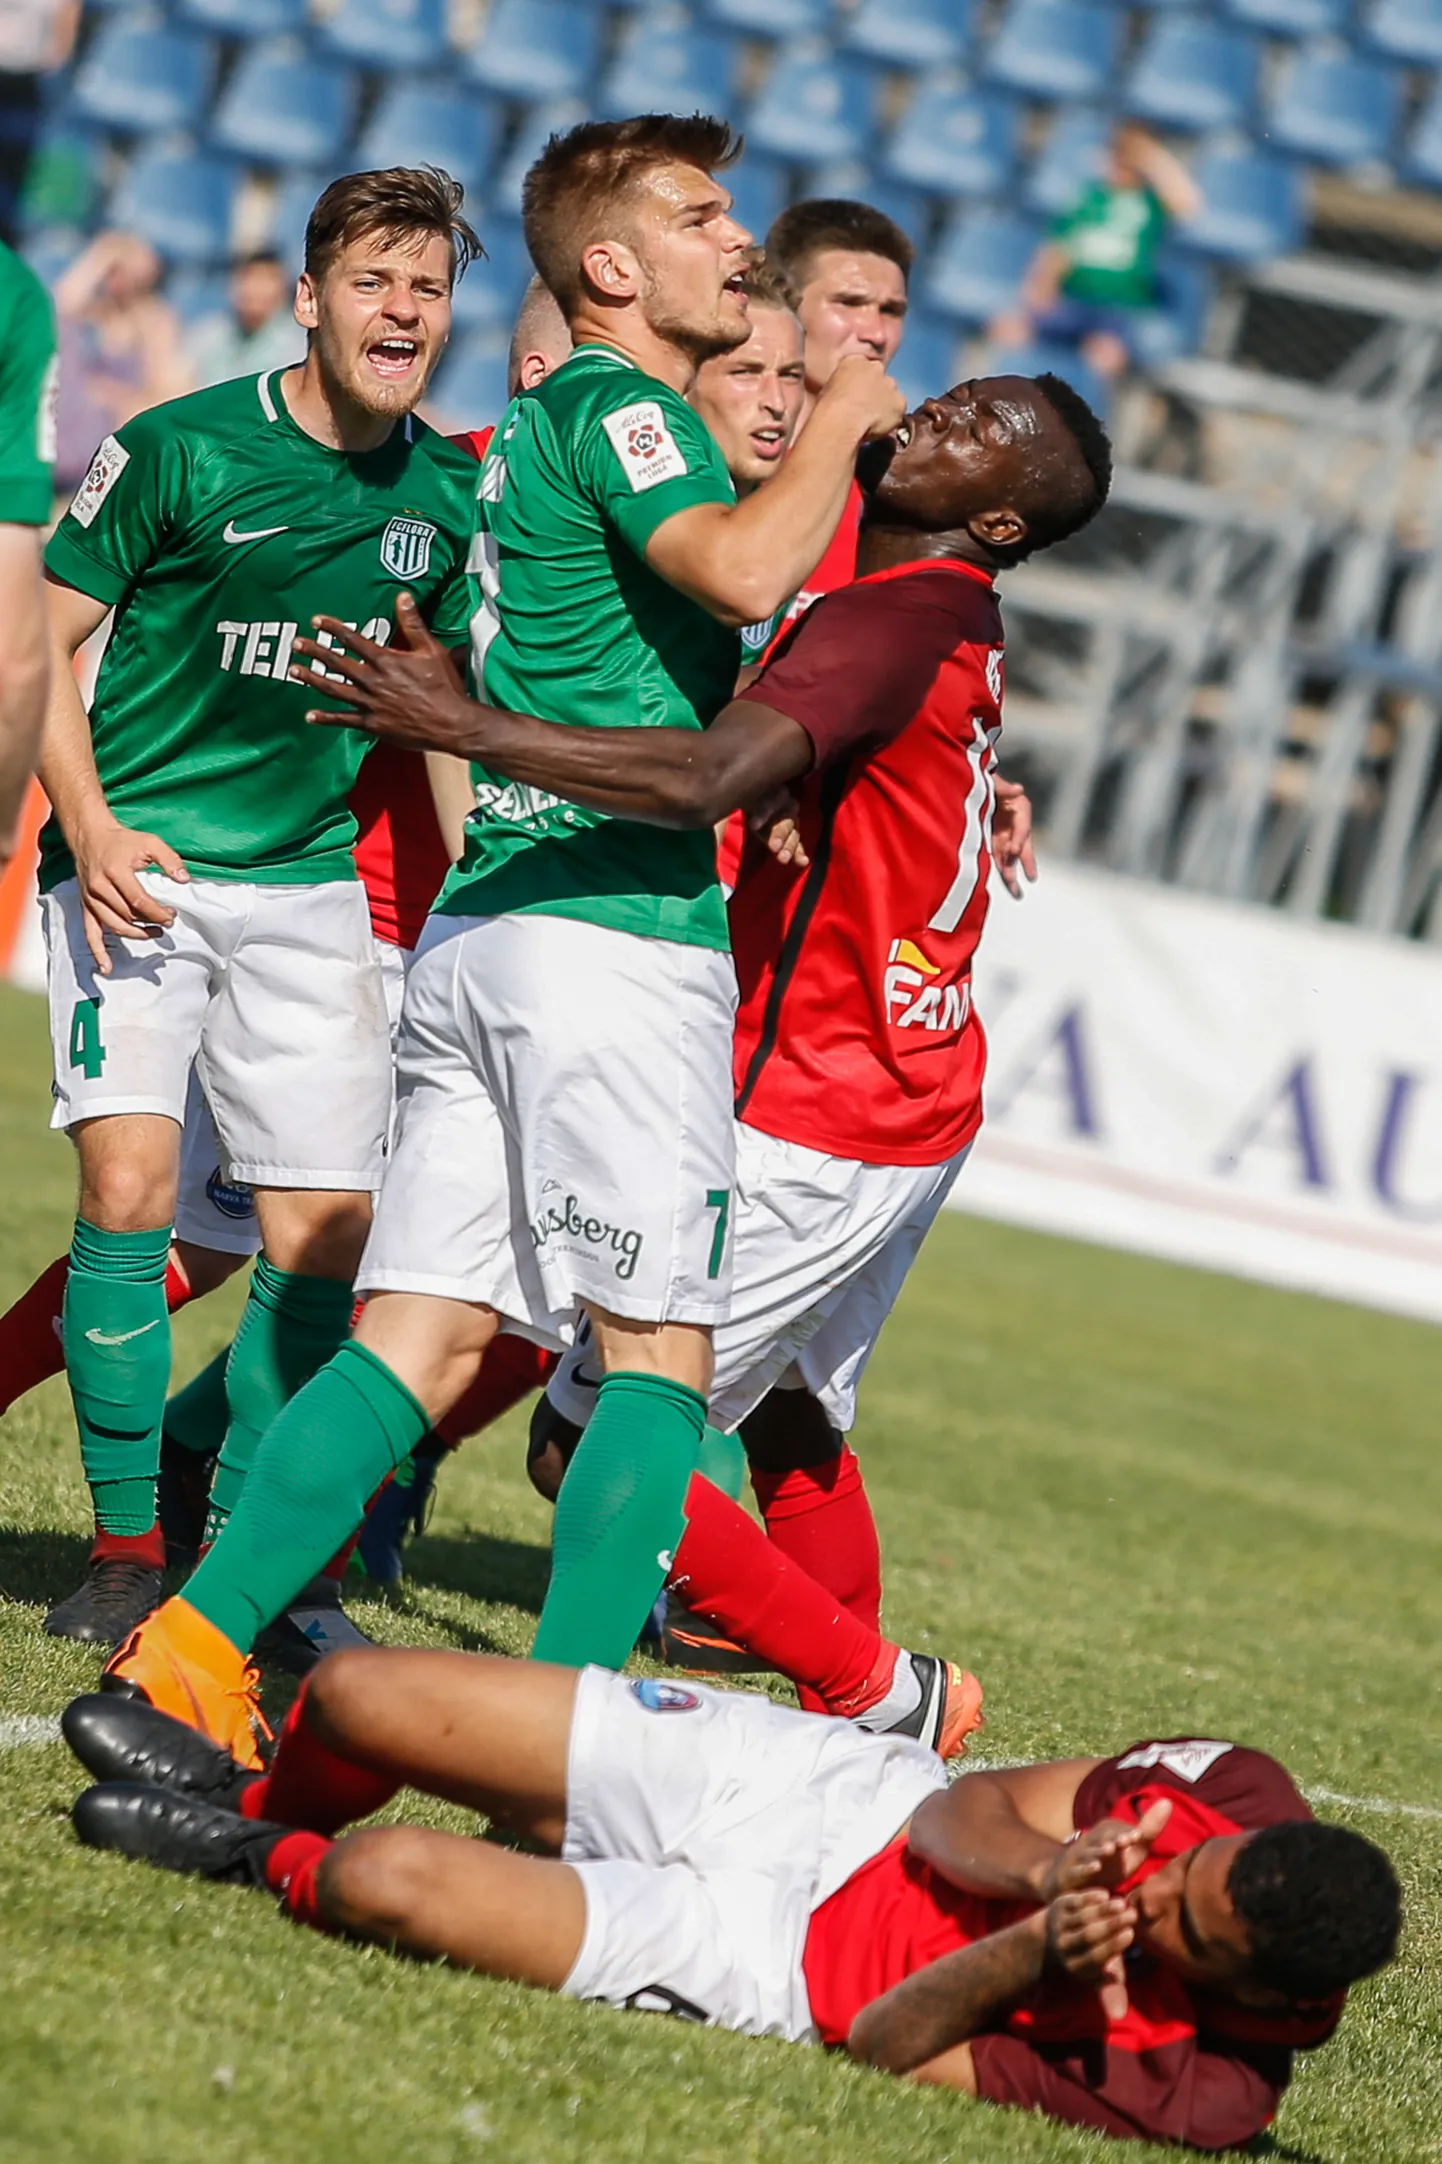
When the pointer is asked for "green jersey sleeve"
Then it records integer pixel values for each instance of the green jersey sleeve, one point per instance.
(27, 394)
(644, 459)
(455, 605)
(124, 510)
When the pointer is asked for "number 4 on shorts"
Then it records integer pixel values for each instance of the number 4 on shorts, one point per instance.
(86, 1050)
(719, 1200)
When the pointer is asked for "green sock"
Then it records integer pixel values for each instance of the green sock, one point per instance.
(319, 1464)
(619, 1518)
(197, 1416)
(723, 1462)
(290, 1328)
(116, 1333)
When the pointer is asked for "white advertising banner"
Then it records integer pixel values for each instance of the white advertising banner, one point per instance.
(1215, 1083)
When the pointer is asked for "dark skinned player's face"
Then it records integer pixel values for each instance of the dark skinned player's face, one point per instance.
(1185, 1918)
(968, 457)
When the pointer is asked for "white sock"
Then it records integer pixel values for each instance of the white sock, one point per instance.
(903, 1697)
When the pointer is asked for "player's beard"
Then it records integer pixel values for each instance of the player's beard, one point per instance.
(347, 375)
(698, 341)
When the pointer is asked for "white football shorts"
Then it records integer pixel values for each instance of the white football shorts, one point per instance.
(823, 1246)
(213, 1210)
(273, 994)
(564, 1130)
(706, 1828)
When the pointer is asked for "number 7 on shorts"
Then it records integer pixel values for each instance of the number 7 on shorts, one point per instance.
(719, 1200)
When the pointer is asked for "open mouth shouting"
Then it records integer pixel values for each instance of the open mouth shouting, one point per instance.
(394, 358)
(735, 285)
(769, 442)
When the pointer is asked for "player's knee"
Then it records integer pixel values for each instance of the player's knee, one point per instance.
(372, 1883)
(338, 1694)
(126, 1194)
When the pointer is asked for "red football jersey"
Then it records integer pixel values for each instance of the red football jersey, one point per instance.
(1180, 2065)
(856, 1033)
(399, 852)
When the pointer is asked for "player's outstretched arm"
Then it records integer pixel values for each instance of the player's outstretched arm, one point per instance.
(107, 854)
(666, 777)
(24, 672)
(1002, 1833)
(742, 561)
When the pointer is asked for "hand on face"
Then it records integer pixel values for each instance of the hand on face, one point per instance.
(860, 392)
(1106, 1854)
(1087, 1936)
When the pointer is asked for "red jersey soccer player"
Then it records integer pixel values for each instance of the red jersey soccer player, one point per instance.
(858, 1056)
(1137, 1944)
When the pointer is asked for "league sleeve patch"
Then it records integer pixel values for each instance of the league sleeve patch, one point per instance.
(659, 1697)
(109, 462)
(648, 451)
(1188, 1761)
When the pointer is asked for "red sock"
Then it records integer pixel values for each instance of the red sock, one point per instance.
(290, 1871)
(512, 1368)
(819, 1516)
(311, 1785)
(727, 1570)
(147, 1548)
(30, 1348)
(177, 1284)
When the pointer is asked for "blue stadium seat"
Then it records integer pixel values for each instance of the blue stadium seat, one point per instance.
(1056, 48)
(955, 140)
(1193, 73)
(1176, 324)
(284, 107)
(427, 123)
(1423, 158)
(1290, 18)
(1042, 360)
(664, 65)
(487, 297)
(1409, 30)
(928, 361)
(1069, 161)
(1251, 207)
(980, 264)
(853, 178)
(538, 48)
(1335, 109)
(911, 33)
(179, 202)
(195, 293)
(388, 34)
(760, 190)
(244, 18)
(285, 228)
(470, 385)
(813, 106)
(769, 18)
(139, 77)
(543, 121)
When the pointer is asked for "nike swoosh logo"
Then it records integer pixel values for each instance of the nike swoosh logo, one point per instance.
(262, 533)
(103, 1337)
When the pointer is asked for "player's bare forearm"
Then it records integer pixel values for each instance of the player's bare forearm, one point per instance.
(1000, 1833)
(24, 672)
(664, 777)
(67, 757)
(927, 2015)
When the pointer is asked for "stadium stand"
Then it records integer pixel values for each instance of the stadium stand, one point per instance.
(1236, 678)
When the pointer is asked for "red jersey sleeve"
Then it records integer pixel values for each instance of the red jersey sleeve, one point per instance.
(860, 663)
(1244, 1785)
(1179, 2092)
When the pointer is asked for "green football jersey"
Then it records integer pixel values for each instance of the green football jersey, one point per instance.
(217, 529)
(575, 626)
(27, 394)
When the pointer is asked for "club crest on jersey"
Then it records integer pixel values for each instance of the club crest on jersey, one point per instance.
(659, 1697)
(911, 995)
(406, 547)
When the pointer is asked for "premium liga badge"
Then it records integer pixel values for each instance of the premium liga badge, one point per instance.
(406, 547)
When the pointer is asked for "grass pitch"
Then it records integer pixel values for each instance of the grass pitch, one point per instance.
(1135, 1499)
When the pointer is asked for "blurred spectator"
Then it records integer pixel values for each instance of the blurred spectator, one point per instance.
(119, 347)
(35, 38)
(258, 332)
(1094, 276)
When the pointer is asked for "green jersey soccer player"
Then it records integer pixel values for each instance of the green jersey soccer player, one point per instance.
(201, 904)
(566, 1038)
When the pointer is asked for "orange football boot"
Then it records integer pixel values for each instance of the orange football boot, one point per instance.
(182, 1665)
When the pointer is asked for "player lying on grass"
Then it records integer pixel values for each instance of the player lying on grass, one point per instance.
(1137, 1943)
(202, 910)
(858, 1055)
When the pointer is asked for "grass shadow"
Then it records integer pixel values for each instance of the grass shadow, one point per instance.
(40, 1566)
(482, 1566)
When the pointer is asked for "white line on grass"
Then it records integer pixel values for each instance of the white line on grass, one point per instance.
(18, 1731)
